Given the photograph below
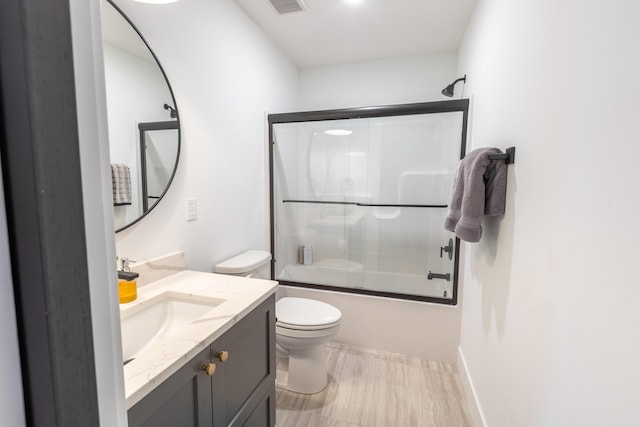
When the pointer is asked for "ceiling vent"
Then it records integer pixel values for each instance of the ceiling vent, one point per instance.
(288, 6)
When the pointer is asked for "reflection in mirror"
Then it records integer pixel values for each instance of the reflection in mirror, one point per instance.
(157, 157)
(144, 130)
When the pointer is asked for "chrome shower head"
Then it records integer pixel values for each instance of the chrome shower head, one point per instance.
(172, 111)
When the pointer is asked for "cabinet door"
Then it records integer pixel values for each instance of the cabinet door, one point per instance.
(263, 415)
(244, 383)
(183, 400)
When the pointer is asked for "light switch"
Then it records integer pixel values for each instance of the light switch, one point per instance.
(192, 210)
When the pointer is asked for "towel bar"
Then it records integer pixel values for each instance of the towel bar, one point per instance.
(367, 205)
(509, 157)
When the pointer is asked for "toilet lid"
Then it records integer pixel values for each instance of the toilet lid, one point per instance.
(243, 263)
(306, 312)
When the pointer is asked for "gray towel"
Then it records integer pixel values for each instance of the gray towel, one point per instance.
(480, 188)
(121, 184)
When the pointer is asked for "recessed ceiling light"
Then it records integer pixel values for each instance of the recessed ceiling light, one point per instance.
(338, 132)
(353, 1)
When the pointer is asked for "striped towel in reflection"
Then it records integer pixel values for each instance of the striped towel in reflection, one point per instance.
(121, 184)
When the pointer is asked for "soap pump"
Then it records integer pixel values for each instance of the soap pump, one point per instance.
(127, 287)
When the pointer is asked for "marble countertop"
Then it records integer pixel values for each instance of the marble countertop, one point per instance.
(152, 366)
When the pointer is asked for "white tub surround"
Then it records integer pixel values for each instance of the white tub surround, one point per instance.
(160, 360)
(413, 328)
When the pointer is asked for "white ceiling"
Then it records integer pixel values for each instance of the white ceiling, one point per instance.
(338, 31)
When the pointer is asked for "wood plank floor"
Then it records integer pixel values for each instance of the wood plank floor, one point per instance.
(369, 388)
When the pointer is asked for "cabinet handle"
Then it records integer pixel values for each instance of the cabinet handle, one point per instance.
(209, 368)
(222, 355)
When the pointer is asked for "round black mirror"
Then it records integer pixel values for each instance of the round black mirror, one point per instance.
(143, 120)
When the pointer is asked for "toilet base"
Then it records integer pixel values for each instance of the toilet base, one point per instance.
(303, 371)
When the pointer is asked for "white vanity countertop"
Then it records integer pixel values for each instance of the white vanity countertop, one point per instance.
(242, 295)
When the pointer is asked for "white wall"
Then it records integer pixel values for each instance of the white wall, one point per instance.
(387, 81)
(11, 401)
(550, 313)
(225, 74)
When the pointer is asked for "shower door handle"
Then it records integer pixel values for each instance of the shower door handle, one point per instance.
(432, 276)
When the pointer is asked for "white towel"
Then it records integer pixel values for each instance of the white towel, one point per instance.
(121, 184)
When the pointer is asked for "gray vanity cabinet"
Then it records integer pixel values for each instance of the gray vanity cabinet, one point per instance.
(184, 399)
(241, 391)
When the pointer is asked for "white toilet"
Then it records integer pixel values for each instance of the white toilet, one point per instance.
(302, 327)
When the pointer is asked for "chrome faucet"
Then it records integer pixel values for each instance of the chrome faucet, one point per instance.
(124, 263)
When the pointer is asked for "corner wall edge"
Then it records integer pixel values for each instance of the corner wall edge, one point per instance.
(475, 409)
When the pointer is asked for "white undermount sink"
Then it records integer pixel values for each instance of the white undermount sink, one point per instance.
(162, 317)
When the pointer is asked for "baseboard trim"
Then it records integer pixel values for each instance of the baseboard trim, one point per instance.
(475, 409)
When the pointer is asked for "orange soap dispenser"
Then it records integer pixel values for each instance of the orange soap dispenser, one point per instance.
(127, 286)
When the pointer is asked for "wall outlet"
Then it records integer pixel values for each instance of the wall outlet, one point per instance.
(192, 210)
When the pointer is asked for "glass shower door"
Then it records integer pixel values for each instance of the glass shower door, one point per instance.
(412, 164)
(314, 207)
(360, 203)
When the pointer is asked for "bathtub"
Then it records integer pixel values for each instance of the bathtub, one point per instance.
(413, 328)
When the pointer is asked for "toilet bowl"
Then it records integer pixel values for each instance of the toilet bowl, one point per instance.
(302, 327)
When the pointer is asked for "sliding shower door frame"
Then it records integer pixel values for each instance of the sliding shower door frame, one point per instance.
(458, 105)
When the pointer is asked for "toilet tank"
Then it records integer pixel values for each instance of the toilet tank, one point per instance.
(252, 263)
